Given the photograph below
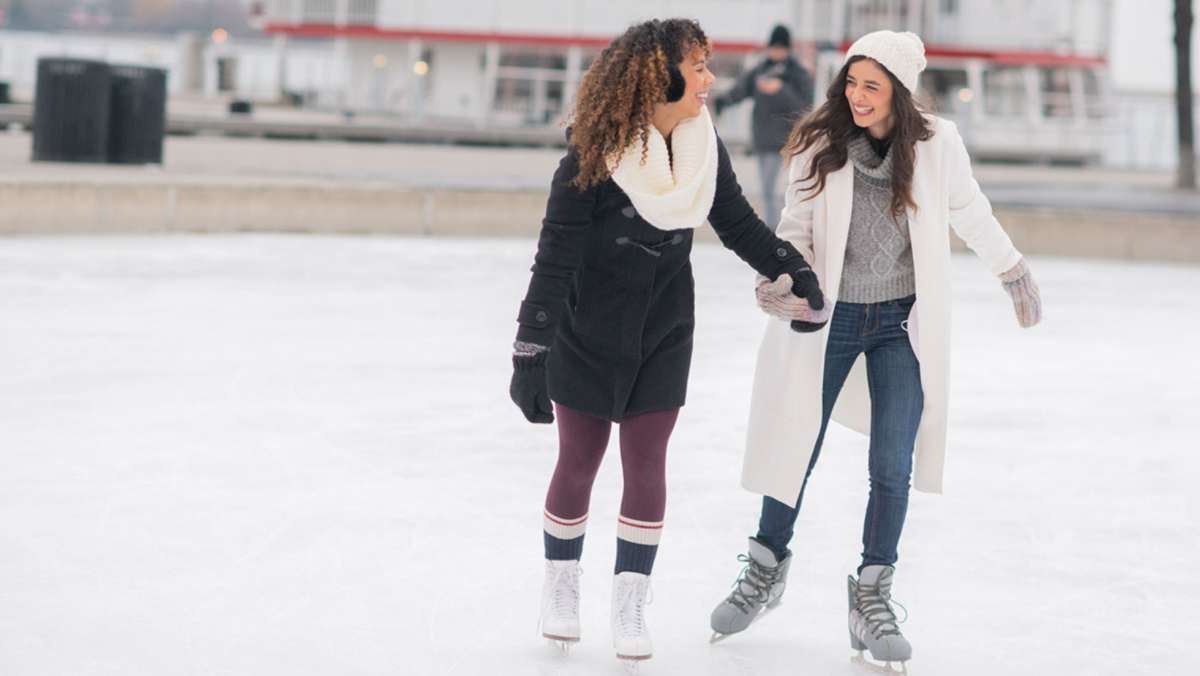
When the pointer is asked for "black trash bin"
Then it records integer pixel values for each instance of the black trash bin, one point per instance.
(71, 111)
(138, 115)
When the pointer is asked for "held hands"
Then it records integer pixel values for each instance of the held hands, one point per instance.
(1026, 298)
(796, 298)
(528, 389)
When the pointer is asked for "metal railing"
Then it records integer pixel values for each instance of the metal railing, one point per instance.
(324, 12)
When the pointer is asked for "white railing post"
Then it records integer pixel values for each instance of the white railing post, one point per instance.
(491, 63)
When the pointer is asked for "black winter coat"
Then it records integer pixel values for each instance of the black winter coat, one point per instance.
(613, 296)
(774, 115)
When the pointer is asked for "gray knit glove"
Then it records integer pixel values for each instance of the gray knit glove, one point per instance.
(777, 299)
(1027, 300)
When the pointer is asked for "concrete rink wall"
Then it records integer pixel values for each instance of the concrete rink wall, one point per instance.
(134, 209)
(218, 184)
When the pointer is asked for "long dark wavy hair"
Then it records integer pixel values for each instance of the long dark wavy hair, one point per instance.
(618, 93)
(831, 127)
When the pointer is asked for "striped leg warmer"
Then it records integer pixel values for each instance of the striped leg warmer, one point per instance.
(563, 537)
(637, 545)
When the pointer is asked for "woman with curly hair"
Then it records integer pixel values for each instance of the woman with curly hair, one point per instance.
(606, 325)
(873, 186)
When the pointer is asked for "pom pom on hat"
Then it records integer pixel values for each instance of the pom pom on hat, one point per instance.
(903, 54)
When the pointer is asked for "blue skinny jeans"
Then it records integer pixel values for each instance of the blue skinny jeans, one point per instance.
(894, 381)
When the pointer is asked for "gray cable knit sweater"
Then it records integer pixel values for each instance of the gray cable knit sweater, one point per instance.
(879, 264)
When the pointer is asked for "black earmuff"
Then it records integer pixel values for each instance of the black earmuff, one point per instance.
(676, 86)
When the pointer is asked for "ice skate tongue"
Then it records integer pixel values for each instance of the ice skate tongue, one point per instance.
(869, 577)
(762, 553)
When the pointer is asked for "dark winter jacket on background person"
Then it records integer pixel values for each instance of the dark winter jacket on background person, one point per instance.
(774, 114)
(613, 295)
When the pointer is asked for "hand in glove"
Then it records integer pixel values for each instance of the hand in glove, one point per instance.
(529, 389)
(1027, 300)
(783, 299)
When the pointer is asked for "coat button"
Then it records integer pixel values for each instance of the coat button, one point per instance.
(629, 212)
(781, 252)
(541, 316)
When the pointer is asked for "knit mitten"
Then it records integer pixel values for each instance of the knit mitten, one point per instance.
(805, 286)
(778, 300)
(529, 389)
(1027, 300)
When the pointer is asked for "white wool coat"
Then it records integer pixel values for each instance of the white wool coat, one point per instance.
(785, 409)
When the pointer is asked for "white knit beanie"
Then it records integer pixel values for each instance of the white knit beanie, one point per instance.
(903, 54)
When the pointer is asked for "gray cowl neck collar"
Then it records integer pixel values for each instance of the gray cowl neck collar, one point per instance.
(869, 164)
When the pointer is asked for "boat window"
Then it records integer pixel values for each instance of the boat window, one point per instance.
(1056, 92)
(1004, 91)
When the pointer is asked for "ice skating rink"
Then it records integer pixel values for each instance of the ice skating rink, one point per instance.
(295, 455)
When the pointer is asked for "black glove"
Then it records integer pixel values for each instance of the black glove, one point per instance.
(804, 285)
(529, 390)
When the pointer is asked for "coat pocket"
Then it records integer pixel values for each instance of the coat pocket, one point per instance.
(910, 325)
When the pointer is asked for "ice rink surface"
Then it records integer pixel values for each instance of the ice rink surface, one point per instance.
(295, 455)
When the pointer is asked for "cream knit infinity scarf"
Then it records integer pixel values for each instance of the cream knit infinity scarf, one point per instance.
(673, 195)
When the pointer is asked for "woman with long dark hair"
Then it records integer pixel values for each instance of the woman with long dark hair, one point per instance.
(873, 184)
(606, 325)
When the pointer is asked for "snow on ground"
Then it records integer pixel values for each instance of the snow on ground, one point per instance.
(295, 455)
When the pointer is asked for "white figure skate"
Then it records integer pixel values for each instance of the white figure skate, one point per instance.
(631, 638)
(560, 604)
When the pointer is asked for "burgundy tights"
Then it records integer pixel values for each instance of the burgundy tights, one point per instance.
(582, 440)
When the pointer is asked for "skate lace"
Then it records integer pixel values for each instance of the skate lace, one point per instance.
(563, 599)
(874, 604)
(632, 599)
(753, 583)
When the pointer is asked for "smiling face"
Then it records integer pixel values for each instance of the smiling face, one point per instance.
(695, 72)
(869, 93)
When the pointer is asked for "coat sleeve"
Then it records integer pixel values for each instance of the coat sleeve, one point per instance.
(559, 255)
(742, 231)
(741, 90)
(970, 211)
(796, 222)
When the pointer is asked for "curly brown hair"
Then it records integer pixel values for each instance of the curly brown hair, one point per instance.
(618, 93)
(833, 122)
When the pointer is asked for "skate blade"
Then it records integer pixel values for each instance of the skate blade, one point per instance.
(632, 663)
(717, 636)
(561, 645)
(886, 668)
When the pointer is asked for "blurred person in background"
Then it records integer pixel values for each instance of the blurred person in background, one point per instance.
(873, 184)
(605, 330)
(783, 91)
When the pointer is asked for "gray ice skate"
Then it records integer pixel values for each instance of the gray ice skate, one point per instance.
(758, 591)
(873, 624)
